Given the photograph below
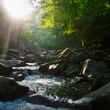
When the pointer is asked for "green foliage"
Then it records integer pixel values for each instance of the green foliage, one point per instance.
(47, 37)
(58, 14)
(86, 17)
(68, 23)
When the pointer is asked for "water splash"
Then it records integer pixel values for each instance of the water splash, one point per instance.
(40, 83)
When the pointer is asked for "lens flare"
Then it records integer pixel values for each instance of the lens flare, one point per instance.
(18, 9)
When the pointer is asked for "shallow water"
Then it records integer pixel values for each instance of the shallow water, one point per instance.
(38, 83)
(23, 105)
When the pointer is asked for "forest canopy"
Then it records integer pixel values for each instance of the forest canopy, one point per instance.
(68, 23)
(89, 19)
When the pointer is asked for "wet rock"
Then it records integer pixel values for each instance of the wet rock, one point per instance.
(5, 70)
(41, 100)
(65, 54)
(99, 103)
(48, 55)
(14, 62)
(12, 53)
(29, 58)
(72, 70)
(57, 69)
(97, 69)
(18, 75)
(53, 69)
(44, 67)
(100, 81)
(96, 100)
(10, 90)
(79, 55)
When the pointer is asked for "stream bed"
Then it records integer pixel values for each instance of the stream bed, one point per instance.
(40, 84)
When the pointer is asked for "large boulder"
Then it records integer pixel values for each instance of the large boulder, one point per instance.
(10, 90)
(96, 100)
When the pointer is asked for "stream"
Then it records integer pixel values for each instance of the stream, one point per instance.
(38, 82)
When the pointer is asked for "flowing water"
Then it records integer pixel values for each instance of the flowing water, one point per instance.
(40, 83)
(23, 105)
(37, 82)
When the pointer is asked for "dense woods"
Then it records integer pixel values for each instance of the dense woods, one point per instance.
(87, 20)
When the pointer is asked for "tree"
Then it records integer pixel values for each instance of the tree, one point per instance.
(87, 18)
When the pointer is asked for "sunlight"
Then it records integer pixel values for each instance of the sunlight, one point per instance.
(18, 9)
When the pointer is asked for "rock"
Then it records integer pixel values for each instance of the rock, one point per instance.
(29, 58)
(100, 81)
(18, 75)
(79, 55)
(5, 70)
(15, 62)
(44, 67)
(12, 53)
(72, 70)
(10, 90)
(53, 69)
(48, 55)
(96, 100)
(57, 69)
(98, 69)
(65, 54)
(41, 100)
